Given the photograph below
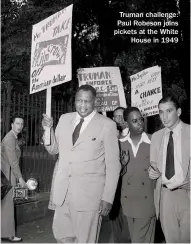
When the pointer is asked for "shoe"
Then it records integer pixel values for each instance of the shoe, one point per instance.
(12, 239)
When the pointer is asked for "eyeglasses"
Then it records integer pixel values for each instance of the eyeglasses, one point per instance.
(141, 120)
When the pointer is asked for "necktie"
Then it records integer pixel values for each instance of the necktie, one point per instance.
(170, 158)
(76, 132)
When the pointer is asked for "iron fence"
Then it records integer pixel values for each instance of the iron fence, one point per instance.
(35, 161)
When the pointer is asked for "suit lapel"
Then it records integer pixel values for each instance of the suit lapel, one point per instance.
(17, 145)
(89, 130)
(16, 141)
(160, 152)
(70, 129)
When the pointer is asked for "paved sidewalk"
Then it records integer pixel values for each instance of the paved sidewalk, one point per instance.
(40, 231)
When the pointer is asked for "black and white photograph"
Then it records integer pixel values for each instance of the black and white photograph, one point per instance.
(95, 121)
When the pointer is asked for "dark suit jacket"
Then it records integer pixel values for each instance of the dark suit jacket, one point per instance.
(10, 155)
(137, 193)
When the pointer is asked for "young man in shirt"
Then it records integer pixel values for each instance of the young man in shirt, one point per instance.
(170, 165)
(137, 193)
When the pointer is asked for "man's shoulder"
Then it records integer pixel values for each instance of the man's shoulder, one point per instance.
(186, 130)
(124, 145)
(67, 115)
(158, 133)
(106, 120)
(9, 136)
(186, 126)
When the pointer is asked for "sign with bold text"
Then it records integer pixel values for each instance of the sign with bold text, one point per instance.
(51, 51)
(146, 90)
(108, 84)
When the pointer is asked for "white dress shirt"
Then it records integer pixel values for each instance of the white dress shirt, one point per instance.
(178, 177)
(144, 138)
(86, 121)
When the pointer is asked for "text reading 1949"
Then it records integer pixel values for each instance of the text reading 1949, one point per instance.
(148, 27)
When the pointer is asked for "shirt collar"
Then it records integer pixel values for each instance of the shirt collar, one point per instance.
(176, 130)
(144, 138)
(87, 118)
(14, 134)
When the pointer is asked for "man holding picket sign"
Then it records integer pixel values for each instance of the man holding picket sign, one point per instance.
(87, 171)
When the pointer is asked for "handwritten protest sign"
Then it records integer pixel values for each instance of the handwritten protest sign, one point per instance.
(51, 55)
(146, 90)
(108, 84)
(51, 51)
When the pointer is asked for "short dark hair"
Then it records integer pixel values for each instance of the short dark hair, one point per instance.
(128, 110)
(87, 88)
(118, 108)
(170, 98)
(16, 116)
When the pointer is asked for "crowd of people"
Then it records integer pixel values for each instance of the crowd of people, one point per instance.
(94, 153)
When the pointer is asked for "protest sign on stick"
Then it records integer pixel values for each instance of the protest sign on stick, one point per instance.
(51, 55)
(108, 84)
(146, 90)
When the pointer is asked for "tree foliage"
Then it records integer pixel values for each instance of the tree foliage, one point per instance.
(94, 43)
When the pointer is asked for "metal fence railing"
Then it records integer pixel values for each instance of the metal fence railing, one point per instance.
(35, 161)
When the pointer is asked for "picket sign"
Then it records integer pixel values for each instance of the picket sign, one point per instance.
(51, 56)
(108, 85)
(146, 90)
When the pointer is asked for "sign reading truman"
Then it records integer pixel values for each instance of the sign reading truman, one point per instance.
(146, 90)
(51, 51)
(108, 84)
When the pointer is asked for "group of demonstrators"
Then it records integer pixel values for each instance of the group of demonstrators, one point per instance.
(154, 170)
(156, 175)
(94, 153)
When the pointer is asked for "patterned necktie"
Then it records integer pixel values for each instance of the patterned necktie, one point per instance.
(170, 158)
(76, 132)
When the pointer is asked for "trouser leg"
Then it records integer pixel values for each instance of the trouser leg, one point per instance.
(63, 229)
(7, 216)
(70, 225)
(175, 215)
(142, 230)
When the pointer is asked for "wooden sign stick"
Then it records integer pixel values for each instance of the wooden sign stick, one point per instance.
(48, 112)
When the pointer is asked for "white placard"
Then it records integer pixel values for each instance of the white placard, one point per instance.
(146, 90)
(108, 84)
(51, 51)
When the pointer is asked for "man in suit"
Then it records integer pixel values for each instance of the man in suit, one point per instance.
(137, 192)
(87, 170)
(10, 156)
(170, 165)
